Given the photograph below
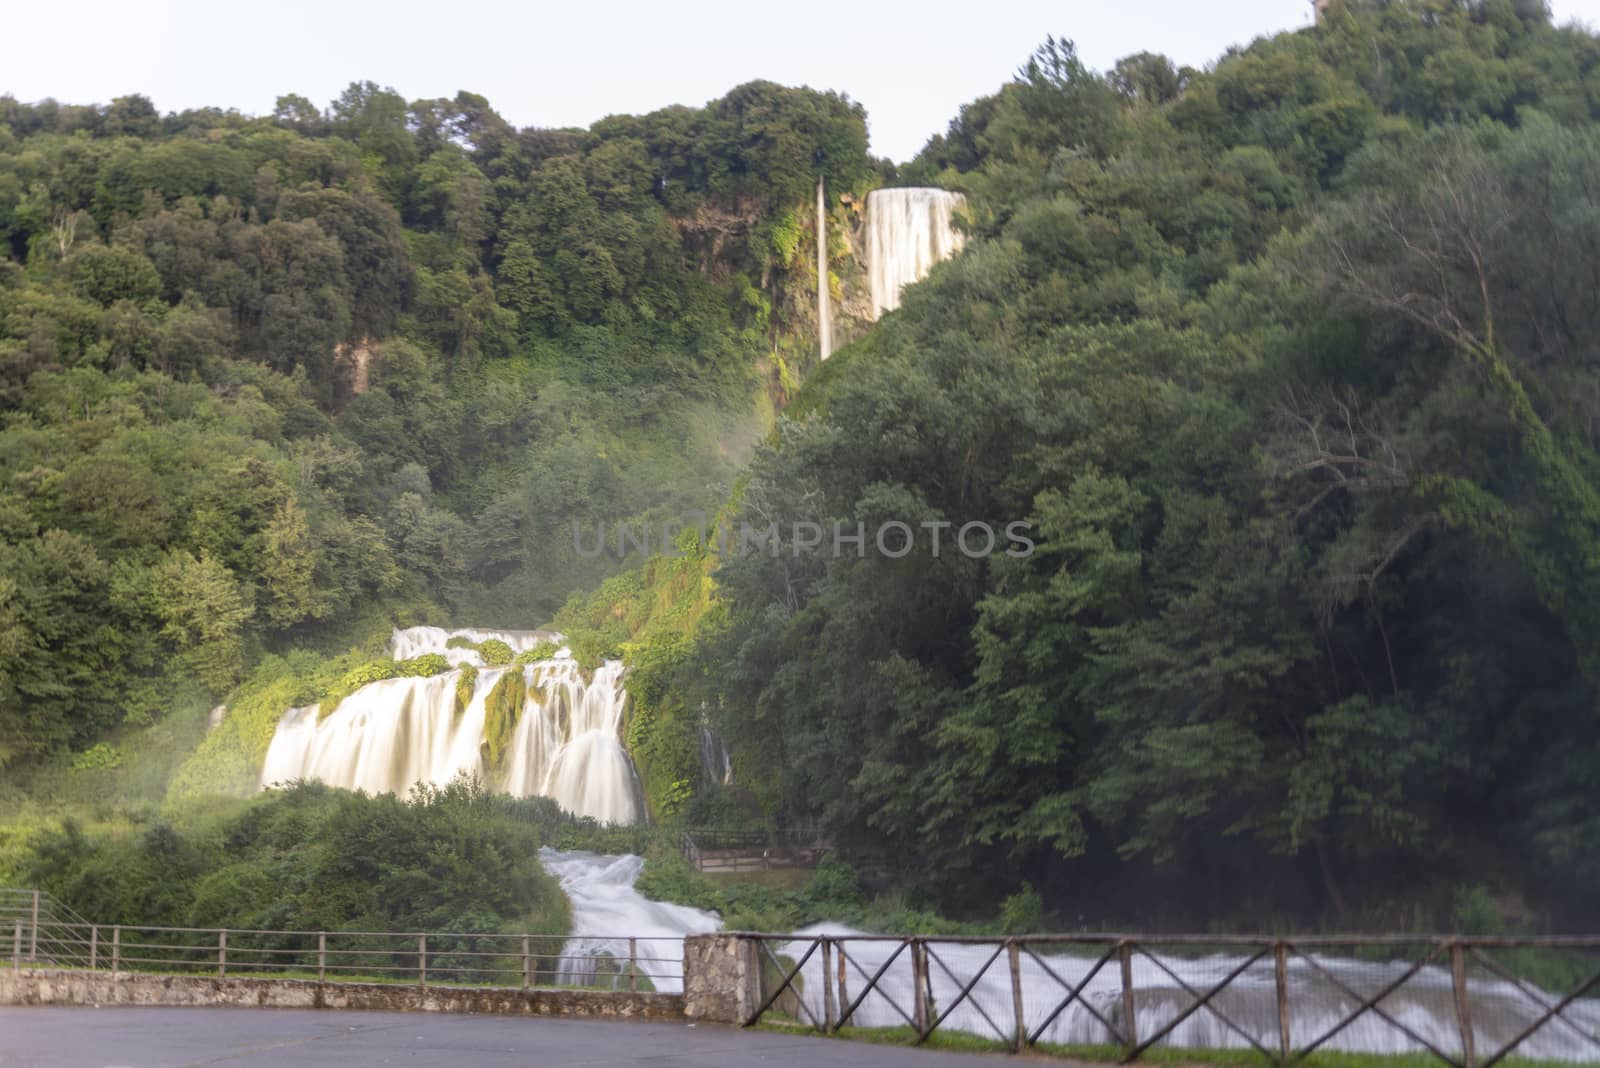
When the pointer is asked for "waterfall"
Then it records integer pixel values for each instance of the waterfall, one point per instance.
(389, 735)
(716, 765)
(606, 910)
(824, 312)
(416, 641)
(908, 231)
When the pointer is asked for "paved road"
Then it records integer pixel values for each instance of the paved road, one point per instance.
(62, 1037)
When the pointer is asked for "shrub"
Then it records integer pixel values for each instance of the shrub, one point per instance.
(540, 652)
(101, 756)
(834, 882)
(495, 653)
(1022, 912)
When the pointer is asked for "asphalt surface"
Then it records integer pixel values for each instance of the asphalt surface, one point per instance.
(61, 1037)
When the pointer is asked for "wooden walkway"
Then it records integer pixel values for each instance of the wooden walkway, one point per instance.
(736, 851)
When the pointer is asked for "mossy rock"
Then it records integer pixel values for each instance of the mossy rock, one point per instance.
(502, 709)
(426, 666)
(539, 653)
(496, 653)
(418, 667)
(351, 681)
(465, 685)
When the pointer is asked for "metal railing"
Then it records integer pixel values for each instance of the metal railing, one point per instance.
(717, 850)
(639, 963)
(39, 917)
(1469, 1002)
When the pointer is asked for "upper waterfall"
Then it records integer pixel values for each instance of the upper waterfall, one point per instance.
(908, 231)
(549, 732)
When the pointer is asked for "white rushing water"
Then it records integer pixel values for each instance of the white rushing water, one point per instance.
(1425, 1003)
(389, 735)
(908, 231)
(607, 911)
(413, 642)
(716, 765)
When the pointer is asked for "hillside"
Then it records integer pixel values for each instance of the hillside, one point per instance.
(1288, 365)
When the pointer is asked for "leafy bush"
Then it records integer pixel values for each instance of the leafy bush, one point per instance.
(495, 653)
(98, 757)
(425, 666)
(1022, 912)
(309, 857)
(835, 881)
(541, 651)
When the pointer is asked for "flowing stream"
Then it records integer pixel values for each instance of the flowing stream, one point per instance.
(565, 744)
(605, 905)
(1425, 1003)
(908, 231)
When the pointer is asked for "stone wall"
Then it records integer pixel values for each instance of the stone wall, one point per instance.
(50, 987)
(721, 978)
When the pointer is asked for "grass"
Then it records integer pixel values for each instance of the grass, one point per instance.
(776, 879)
(960, 1041)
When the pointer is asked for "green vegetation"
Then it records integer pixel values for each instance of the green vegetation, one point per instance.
(493, 651)
(649, 617)
(770, 901)
(540, 651)
(501, 710)
(466, 685)
(279, 383)
(228, 760)
(378, 670)
(958, 1041)
(312, 858)
(1287, 365)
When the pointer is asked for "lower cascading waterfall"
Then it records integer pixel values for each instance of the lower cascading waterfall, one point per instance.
(566, 742)
(1499, 1010)
(607, 911)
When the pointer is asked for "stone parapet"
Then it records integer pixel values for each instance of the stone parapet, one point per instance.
(52, 987)
(721, 978)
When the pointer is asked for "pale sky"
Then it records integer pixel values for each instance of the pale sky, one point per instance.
(570, 63)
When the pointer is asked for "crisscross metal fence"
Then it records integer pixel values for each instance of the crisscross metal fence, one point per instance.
(1468, 1002)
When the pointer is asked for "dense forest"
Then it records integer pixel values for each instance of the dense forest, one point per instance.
(273, 382)
(1291, 364)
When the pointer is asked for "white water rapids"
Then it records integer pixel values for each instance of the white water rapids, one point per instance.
(605, 906)
(389, 735)
(1425, 1003)
(909, 230)
(607, 911)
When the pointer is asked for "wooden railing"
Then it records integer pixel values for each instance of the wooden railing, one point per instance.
(1132, 993)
